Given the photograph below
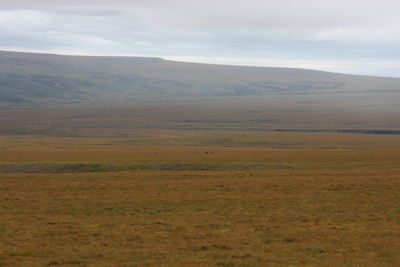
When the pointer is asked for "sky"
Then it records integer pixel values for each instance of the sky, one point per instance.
(347, 36)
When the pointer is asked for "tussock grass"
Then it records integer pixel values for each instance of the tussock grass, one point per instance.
(197, 206)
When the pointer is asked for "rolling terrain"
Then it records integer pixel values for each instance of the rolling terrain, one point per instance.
(109, 161)
(28, 79)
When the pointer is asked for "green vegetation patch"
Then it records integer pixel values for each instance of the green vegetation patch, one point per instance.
(95, 167)
(53, 168)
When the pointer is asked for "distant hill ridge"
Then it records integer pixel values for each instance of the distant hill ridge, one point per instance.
(30, 79)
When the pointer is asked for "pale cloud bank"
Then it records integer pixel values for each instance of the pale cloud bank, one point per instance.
(344, 36)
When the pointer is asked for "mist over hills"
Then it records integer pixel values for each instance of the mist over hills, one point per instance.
(29, 79)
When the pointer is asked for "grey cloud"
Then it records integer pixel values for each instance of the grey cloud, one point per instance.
(297, 29)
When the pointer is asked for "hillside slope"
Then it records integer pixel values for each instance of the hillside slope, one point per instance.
(28, 79)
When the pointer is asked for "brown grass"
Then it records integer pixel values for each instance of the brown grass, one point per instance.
(333, 207)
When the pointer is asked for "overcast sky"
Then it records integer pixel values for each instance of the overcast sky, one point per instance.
(349, 36)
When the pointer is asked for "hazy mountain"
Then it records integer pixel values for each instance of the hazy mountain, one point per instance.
(43, 79)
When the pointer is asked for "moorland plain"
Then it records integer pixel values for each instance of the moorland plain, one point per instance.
(200, 198)
(216, 184)
(108, 159)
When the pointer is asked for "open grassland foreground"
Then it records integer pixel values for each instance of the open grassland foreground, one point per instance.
(116, 202)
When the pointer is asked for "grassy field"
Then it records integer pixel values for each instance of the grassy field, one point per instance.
(324, 113)
(195, 198)
(205, 165)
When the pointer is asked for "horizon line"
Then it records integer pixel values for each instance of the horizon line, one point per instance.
(175, 59)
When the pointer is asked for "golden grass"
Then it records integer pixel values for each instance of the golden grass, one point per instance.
(334, 207)
(196, 138)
